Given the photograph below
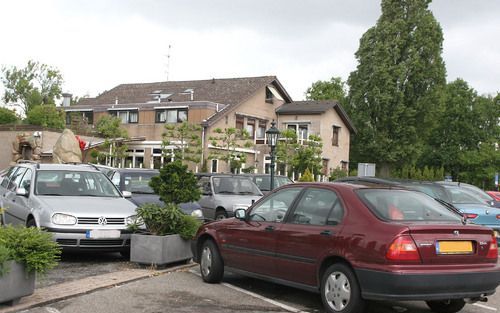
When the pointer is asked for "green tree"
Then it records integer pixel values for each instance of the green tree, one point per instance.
(109, 127)
(47, 115)
(185, 138)
(176, 184)
(307, 176)
(32, 85)
(308, 156)
(286, 150)
(227, 142)
(394, 91)
(465, 123)
(334, 89)
(8, 116)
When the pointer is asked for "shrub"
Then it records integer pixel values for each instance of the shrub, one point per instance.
(307, 176)
(167, 220)
(30, 246)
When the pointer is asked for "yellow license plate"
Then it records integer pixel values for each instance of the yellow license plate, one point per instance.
(454, 247)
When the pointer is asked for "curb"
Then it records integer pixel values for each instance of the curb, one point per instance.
(58, 292)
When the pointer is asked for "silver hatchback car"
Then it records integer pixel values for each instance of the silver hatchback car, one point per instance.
(75, 202)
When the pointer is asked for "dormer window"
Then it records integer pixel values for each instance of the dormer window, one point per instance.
(271, 94)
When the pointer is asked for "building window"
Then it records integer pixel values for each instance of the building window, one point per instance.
(269, 95)
(261, 133)
(335, 136)
(215, 166)
(251, 128)
(302, 131)
(239, 122)
(127, 117)
(77, 116)
(171, 115)
(343, 165)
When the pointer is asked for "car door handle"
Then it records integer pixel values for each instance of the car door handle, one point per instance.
(326, 233)
(269, 228)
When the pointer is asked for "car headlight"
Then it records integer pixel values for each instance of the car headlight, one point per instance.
(133, 219)
(63, 219)
(197, 213)
(240, 206)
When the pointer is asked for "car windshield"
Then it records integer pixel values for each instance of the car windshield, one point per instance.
(235, 186)
(433, 190)
(463, 196)
(74, 183)
(404, 205)
(138, 182)
(264, 182)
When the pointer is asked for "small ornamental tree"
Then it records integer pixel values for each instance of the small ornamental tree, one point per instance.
(227, 142)
(47, 115)
(175, 185)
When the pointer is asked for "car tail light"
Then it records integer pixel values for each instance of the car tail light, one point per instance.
(493, 251)
(498, 216)
(403, 248)
(470, 216)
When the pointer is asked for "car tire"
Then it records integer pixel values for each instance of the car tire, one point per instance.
(220, 215)
(211, 263)
(446, 306)
(31, 223)
(340, 292)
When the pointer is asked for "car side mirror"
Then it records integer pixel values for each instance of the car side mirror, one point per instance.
(127, 194)
(240, 214)
(21, 192)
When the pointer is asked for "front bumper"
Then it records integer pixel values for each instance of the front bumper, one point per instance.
(77, 240)
(377, 285)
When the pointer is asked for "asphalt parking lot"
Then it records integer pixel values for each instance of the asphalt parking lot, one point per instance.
(184, 291)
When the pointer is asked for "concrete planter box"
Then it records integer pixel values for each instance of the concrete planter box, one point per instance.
(159, 250)
(16, 283)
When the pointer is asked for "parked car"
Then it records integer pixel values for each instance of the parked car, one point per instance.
(478, 192)
(494, 194)
(222, 194)
(466, 202)
(339, 240)
(263, 181)
(76, 203)
(136, 181)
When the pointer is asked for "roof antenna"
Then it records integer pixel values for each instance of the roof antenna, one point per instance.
(168, 61)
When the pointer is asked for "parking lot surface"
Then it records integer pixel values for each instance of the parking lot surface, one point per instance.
(184, 291)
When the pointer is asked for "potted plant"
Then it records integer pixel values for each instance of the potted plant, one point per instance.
(168, 231)
(24, 252)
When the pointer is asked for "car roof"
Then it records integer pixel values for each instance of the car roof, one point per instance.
(136, 170)
(61, 167)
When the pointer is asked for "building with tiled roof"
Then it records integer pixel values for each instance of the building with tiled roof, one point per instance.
(250, 103)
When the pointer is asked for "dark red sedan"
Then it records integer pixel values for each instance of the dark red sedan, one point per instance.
(353, 243)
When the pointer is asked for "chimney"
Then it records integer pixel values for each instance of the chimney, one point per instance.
(66, 99)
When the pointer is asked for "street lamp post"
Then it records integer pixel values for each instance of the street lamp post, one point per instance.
(272, 135)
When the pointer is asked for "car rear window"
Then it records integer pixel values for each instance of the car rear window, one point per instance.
(405, 205)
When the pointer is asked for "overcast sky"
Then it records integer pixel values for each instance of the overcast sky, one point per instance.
(98, 44)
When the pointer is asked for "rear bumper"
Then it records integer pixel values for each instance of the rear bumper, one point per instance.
(376, 285)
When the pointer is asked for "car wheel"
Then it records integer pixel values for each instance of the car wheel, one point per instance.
(211, 264)
(446, 306)
(31, 223)
(220, 215)
(340, 291)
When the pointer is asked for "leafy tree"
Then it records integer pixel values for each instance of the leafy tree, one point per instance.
(176, 184)
(8, 116)
(226, 143)
(286, 149)
(463, 126)
(308, 156)
(335, 89)
(46, 115)
(186, 140)
(394, 92)
(110, 128)
(307, 176)
(32, 85)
